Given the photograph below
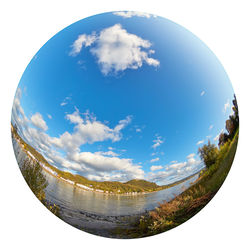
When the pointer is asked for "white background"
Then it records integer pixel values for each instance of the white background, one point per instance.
(26, 26)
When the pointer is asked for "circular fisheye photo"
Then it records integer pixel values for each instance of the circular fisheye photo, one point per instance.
(124, 125)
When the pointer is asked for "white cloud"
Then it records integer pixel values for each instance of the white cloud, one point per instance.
(49, 116)
(107, 153)
(173, 162)
(190, 156)
(200, 142)
(155, 159)
(211, 127)
(202, 93)
(74, 117)
(123, 123)
(17, 116)
(17, 110)
(157, 142)
(117, 50)
(154, 168)
(129, 14)
(138, 130)
(175, 171)
(38, 139)
(97, 166)
(65, 101)
(88, 130)
(226, 106)
(177, 165)
(38, 121)
(159, 177)
(102, 164)
(83, 39)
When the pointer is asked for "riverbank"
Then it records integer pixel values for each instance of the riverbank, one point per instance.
(100, 213)
(184, 206)
(131, 188)
(99, 224)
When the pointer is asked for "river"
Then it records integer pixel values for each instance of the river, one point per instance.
(98, 212)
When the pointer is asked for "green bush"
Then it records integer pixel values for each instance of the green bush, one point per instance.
(32, 173)
(208, 154)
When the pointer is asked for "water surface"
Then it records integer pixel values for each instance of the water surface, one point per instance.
(61, 192)
(100, 213)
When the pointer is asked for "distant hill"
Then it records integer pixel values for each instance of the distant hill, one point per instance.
(143, 184)
(130, 187)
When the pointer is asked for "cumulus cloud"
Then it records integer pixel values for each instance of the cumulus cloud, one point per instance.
(64, 151)
(173, 162)
(200, 142)
(177, 165)
(74, 117)
(83, 39)
(155, 159)
(211, 127)
(129, 14)
(154, 168)
(116, 49)
(123, 123)
(157, 142)
(38, 121)
(88, 130)
(190, 156)
(107, 153)
(49, 116)
(65, 101)
(176, 171)
(226, 106)
(17, 115)
(159, 176)
(107, 165)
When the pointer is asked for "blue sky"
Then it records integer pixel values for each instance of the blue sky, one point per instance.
(123, 95)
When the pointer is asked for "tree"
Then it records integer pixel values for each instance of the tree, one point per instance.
(223, 139)
(236, 111)
(37, 182)
(208, 154)
(232, 125)
(34, 177)
(15, 128)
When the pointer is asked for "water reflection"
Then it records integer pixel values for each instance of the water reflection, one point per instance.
(71, 198)
(62, 193)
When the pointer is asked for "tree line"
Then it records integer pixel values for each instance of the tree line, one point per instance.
(209, 152)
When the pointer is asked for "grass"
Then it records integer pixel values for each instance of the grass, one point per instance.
(168, 214)
(173, 213)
